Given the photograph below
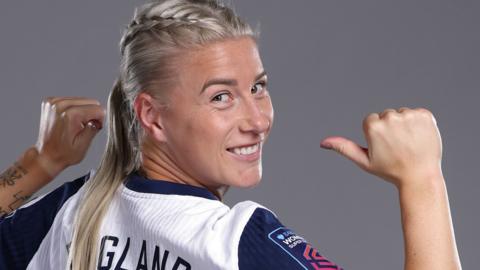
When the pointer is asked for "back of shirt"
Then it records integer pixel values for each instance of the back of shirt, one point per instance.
(153, 224)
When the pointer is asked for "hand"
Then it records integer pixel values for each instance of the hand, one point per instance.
(404, 146)
(67, 127)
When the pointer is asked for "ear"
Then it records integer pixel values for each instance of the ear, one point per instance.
(149, 115)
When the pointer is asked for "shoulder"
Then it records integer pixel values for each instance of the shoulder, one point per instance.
(266, 243)
(47, 206)
(22, 231)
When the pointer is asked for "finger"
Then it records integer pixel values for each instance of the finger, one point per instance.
(83, 140)
(63, 104)
(404, 109)
(78, 117)
(53, 100)
(427, 113)
(348, 149)
(386, 112)
(93, 124)
(371, 118)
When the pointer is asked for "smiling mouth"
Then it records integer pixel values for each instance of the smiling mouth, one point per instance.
(245, 150)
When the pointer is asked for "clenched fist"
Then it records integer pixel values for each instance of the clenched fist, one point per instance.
(404, 146)
(67, 127)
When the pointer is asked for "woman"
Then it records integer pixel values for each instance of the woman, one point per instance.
(187, 119)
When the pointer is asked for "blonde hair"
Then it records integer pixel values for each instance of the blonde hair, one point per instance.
(159, 32)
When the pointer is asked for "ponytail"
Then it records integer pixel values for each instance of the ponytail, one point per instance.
(159, 32)
(121, 157)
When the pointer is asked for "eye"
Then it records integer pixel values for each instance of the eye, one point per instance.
(223, 97)
(259, 87)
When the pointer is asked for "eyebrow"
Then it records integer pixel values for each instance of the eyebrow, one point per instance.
(229, 82)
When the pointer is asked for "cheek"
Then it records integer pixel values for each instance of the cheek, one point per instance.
(209, 131)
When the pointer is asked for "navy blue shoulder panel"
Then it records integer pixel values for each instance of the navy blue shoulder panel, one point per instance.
(22, 231)
(266, 244)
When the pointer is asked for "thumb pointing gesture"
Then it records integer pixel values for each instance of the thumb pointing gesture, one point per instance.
(348, 149)
(403, 144)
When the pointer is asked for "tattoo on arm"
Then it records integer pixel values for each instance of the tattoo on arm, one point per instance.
(11, 175)
(8, 178)
(18, 201)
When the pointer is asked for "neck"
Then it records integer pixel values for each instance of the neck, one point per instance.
(158, 164)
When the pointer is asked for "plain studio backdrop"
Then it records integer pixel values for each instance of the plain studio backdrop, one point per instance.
(330, 63)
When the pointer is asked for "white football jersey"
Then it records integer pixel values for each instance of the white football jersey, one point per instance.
(158, 225)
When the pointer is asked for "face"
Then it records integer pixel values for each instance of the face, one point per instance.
(219, 115)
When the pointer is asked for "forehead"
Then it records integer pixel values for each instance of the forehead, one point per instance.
(231, 58)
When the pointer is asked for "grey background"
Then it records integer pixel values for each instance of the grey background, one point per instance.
(330, 63)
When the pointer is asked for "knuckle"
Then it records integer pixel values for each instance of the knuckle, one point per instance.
(387, 110)
(47, 101)
(54, 108)
(375, 127)
(409, 114)
(423, 112)
(404, 109)
(369, 119)
(390, 115)
(57, 106)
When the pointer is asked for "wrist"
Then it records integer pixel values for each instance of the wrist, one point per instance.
(422, 186)
(427, 178)
(43, 163)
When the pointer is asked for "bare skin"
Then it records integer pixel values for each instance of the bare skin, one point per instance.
(405, 148)
(67, 127)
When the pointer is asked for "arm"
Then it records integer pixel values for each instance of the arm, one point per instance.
(427, 226)
(67, 127)
(21, 180)
(404, 148)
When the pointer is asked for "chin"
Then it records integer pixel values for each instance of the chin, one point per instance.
(249, 181)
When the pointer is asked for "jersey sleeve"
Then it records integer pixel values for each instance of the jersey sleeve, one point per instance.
(22, 231)
(266, 244)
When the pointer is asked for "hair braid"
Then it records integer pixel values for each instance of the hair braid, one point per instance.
(157, 17)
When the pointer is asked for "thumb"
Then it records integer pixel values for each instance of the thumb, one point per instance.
(348, 149)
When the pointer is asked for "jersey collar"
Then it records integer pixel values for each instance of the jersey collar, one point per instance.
(142, 184)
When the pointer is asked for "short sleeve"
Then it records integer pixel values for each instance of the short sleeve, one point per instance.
(266, 244)
(22, 232)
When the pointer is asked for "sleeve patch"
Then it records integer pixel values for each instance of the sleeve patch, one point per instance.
(297, 248)
(268, 245)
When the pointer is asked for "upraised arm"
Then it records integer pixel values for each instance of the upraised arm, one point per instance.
(67, 127)
(405, 148)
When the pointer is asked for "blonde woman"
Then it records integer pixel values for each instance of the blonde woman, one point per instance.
(187, 118)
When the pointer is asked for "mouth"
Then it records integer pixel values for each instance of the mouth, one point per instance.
(246, 152)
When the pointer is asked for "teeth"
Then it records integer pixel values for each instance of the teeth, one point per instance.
(246, 150)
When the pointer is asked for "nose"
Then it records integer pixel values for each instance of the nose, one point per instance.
(257, 117)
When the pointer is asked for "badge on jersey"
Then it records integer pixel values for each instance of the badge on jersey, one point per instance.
(297, 248)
